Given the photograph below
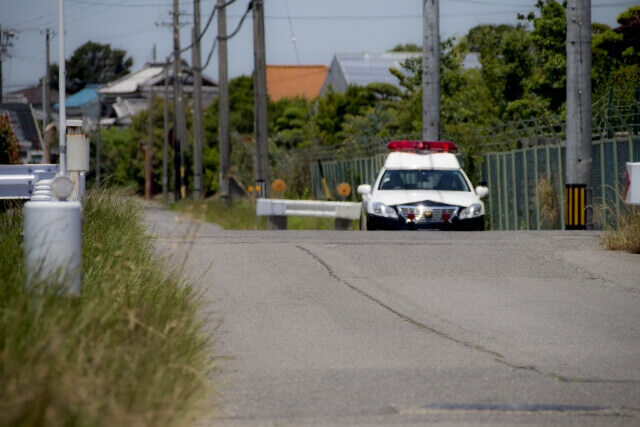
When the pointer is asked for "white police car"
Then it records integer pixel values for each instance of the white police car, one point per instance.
(421, 186)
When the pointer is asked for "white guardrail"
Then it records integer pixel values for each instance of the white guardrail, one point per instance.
(283, 207)
(19, 181)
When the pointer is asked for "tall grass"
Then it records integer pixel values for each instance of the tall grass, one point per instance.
(131, 350)
(548, 203)
(623, 233)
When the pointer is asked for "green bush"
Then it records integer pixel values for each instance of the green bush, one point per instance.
(9, 148)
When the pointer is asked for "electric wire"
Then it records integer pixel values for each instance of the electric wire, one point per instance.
(293, 37)
(224, 38)
(249, 7)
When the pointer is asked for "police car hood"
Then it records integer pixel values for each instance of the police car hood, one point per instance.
(399, 197)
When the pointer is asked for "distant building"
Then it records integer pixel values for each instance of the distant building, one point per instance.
(128, 95)
(363, 68)
(23, 123)
(30, 95)
(33, 95)
(83, 104)
(292, 81)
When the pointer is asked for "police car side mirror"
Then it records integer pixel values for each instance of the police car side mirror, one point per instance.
(482, 191)
(364, 189)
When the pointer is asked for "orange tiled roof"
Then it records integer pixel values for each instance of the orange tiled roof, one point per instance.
(290, 81)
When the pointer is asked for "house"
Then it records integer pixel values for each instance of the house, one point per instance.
(129, 95)
(23, 122)
(32, 95)
(83, 104)
(363, 68)
(295, 81)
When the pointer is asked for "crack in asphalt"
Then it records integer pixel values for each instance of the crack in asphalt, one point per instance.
(499, 358)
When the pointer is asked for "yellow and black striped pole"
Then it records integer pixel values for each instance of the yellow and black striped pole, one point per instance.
(576, 207)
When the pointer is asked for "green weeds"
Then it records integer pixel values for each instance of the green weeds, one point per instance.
(131, 350)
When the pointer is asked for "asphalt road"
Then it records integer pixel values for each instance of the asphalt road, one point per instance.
(335, 328)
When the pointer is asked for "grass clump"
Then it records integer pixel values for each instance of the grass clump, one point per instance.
(624, 234)
(241, 215)
(548, 203)
(129, 351)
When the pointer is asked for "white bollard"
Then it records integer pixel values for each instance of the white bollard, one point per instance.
(53, 244)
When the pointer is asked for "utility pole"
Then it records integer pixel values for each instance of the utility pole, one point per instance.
(2, 50)
(430, 71)
(197, 104)
(165, 143)
(224, 133)
(46, 102)
(62, 92)
(260, 100)
(148, 175)
(5, 44)
(99, 146)
(579, 158)
(177, 143)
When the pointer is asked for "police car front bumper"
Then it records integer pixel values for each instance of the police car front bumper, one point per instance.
(454, 224)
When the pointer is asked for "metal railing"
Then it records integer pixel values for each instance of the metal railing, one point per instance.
(20, 181)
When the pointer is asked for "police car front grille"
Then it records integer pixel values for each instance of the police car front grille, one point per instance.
(419, 213)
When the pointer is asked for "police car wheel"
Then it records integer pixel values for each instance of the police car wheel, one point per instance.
(368, 224)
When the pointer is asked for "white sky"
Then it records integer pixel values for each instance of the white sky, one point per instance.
(321, 28)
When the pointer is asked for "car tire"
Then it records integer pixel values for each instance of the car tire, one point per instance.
(368, 225)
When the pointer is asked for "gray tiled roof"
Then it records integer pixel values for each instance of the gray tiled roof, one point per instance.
(366, 67)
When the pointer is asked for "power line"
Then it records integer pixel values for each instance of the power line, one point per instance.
(244, 16)
(215, 41)
(293, 37)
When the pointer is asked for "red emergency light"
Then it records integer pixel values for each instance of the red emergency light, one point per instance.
(432, 146)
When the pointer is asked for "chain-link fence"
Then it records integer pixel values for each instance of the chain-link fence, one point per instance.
(526, 186)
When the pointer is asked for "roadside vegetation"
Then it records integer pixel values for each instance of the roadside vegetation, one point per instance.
(131, 350)
(624, 235)
(241, 215)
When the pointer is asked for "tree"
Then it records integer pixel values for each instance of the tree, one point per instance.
(289, 122)
(92, 63)
(333, 108)
(9, 147)
(407, 47)
(548, 39)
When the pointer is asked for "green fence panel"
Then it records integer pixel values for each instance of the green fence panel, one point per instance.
(513, 177)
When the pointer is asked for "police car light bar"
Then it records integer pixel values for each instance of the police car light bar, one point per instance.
(433, 146)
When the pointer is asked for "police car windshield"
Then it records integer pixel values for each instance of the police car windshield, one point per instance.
(427, 179)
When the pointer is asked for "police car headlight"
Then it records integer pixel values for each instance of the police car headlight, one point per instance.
(381, 209)
(473, 211)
